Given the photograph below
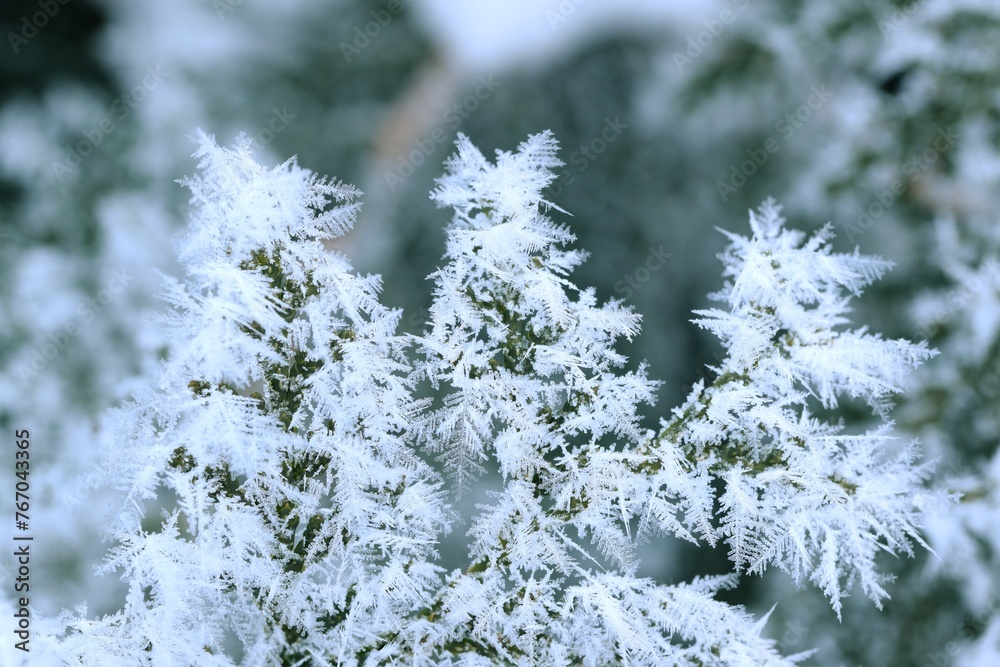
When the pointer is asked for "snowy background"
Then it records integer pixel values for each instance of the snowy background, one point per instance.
(674, 119)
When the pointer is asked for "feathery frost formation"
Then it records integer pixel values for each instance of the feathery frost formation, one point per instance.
(524, 364)
(300, 519)
(303, 524)
(799, 492)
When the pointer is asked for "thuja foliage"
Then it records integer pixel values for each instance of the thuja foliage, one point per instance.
(292, 463)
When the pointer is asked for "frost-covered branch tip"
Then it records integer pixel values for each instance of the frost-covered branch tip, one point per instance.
(800, 492)
(296, 517)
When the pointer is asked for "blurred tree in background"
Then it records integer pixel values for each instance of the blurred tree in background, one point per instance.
(880, 118)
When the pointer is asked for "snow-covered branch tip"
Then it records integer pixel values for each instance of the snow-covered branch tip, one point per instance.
(799, 491)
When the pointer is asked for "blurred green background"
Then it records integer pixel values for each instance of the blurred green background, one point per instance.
(673, 121)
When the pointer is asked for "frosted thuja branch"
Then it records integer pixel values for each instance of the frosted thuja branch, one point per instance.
(288, 449)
